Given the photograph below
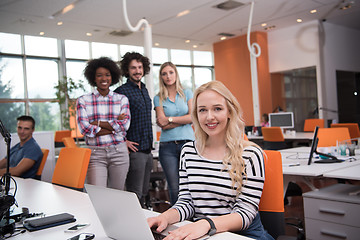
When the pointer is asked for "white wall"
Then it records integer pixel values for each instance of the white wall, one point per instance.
(326, 46)
(293, 47)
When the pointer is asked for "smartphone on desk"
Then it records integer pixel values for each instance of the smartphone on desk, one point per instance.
(77, 227)
(83, 236)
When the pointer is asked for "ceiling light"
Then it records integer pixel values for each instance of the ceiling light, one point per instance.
(222, 38)
(183, 13)
(263, 24)
(195, 46)
(299, 20)
(187, 41)
(42, 33)
(68, 8)
(59, 23)
(313, 11)
(157, 44)
(89, 34)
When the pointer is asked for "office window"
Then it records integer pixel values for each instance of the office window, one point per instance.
(46, 115)
(10, 43)
(11, 78)
(77, 49)
(105, 50)
(75, 71)
(130, 48)
(41, 46)
(300, 94)
(42, 76)
(43, 58)
(202, 75)
(160, 55)
(185, 77)
(9, 112)
(203, 58)
(181, 57)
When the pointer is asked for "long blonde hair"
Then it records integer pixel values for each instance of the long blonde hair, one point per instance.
(163, 91)
(234, 136)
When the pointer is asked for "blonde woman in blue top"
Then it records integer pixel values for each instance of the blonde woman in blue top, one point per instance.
(173, 107)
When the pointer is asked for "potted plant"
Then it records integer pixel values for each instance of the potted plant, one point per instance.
(64, 89)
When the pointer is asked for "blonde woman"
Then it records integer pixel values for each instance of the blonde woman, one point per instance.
(173, 107)
(221, 174)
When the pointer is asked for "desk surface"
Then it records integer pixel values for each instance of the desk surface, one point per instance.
(296, 136)
(300, 156)
(50, 199)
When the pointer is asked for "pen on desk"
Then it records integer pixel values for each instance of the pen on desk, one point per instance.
(294, 165)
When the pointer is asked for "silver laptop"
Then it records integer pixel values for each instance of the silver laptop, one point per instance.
(120, 213)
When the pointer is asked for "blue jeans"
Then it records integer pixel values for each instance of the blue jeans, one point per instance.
(256, 230)
(169, 156)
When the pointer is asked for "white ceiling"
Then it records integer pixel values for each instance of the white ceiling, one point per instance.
(202, 25)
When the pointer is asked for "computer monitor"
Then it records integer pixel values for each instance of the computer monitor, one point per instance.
(281, 119)
(328, 159)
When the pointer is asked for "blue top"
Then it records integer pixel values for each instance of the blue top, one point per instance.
(29, 150)
(176, 109)
(140, 129)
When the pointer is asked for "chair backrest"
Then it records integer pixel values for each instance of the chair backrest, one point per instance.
(59, 135)
(271, 207)
(71, 167)
(245, 137)
(75, 131)
(311, 123)
(330, 136)
(353, 128)
(272, 134)
(42, 164)
(69, 142)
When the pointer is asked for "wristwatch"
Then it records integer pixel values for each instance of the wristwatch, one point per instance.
(212, 230)
(170, 119)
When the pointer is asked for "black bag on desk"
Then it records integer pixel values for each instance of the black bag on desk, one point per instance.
(49, 221)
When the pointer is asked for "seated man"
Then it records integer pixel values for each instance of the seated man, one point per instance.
(25, 157)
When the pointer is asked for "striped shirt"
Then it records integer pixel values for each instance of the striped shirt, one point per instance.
(95, 107)
(206, 187)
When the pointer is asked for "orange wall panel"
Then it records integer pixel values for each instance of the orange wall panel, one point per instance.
(232, 67)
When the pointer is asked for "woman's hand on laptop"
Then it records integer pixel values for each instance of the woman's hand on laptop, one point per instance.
(158, 223)
(190, 231)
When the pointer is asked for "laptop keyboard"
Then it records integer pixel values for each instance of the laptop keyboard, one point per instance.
(158, 236)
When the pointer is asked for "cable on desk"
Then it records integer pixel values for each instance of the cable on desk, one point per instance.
(296, 156)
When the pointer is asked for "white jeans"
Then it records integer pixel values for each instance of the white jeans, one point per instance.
(108, 166)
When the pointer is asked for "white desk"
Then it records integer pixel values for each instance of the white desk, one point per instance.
(352, 173)
(297, 136)
(295, 156)
(50, 199)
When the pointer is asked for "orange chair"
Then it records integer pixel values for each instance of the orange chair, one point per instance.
(42, 164)
(59, 135)
(353, 128)
(71, 167)
(311, 123)
(330, 136)
(69, 142)
(245, 137)
(271, 207)
(75, 132)
(273, 138)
